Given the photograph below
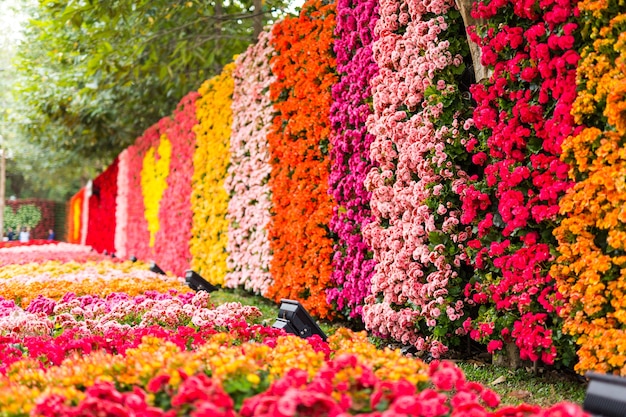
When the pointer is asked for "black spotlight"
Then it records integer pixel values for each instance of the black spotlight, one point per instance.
(133, 258)
(293, 318)
(606, 395)
(155, 268)
(197, 283)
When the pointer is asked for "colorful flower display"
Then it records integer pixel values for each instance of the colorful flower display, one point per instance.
(102, 209)
(75, 342)
(590, 271)
(353, 265)
(299, 153)
(522, 116)
(249, 254)
(209, 200)
(420, 121)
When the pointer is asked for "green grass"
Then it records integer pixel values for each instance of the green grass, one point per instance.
(513, 386)
(521, 386)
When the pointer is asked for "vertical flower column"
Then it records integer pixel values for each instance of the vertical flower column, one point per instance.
(419, 114)
(353, 265)
(102, 208)
(121, 205)
(74, 217)
(523, 116)
(175, 215)
(145, 176)
(249, 254)
(590, 270)
(209, 200)
(419, 118)
(299, 149)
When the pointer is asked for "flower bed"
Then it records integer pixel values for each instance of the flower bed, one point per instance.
(170, 352)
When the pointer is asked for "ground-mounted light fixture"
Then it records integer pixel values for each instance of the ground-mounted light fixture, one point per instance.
(606, 395)
(155, 268)
(197, 283)
(294, 319)
(133, 258)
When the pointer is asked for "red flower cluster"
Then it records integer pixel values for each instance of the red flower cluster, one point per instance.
(102, 204)
(523, 116)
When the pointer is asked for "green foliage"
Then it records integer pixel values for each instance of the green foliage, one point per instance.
(27, 215)
(95, 75)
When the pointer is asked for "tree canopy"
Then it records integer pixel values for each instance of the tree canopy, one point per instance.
(94, 75)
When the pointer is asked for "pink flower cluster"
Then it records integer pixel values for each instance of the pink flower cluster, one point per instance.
(121, 205)
(62, 252)
(353, 265)
(523, 114)
(249, 254)
(419, 124)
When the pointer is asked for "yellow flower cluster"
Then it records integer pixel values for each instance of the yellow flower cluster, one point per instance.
(591, 269)
(154, 182)
(209, 200)
(387, 364)
(22, 283)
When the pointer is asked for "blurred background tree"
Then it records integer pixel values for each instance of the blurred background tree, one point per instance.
(88, 77)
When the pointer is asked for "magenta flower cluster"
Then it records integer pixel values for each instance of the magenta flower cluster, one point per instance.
(353, 265)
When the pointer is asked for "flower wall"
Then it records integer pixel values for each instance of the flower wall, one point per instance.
(355, 165)
(590, 268)
(420, 121)
(522, 115)
(209, 200)
(75, 216)
(249, 254)
(102, 208)
(299, 143)
(353, 265)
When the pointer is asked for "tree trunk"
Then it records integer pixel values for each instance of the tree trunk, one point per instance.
(218, 14)
(481, 72)
(258, 18)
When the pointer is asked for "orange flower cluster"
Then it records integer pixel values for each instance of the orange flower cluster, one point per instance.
(304, 67)
(591, 268)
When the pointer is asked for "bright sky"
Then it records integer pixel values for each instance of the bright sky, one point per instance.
(10, 21)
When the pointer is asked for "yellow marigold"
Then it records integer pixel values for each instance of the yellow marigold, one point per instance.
(209, 201)
(154, 182)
